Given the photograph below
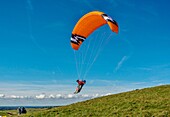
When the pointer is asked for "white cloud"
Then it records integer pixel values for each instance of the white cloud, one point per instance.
(70, 96)
(120, 63)
(58, 96)
(2, 95)
(51, 96)
(85, 95)
(107, 94)
(41, 96)
(14, 96)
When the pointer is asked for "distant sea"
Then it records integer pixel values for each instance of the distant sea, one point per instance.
(16, 107)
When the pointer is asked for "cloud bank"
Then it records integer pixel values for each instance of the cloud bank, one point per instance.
(45, 100)
(52, 96)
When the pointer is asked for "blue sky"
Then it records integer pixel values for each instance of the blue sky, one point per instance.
(36, 56)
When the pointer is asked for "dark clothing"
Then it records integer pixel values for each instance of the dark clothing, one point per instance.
(19, 111)
(22, 110)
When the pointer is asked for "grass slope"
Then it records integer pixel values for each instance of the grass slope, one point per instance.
(148, 102)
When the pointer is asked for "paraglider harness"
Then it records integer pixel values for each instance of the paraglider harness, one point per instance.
(80, 85)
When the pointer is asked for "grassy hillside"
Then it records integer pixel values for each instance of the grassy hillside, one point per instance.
(148, 102)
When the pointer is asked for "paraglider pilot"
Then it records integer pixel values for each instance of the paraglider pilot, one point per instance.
(80, 85)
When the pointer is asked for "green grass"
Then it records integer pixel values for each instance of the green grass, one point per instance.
(148, 102)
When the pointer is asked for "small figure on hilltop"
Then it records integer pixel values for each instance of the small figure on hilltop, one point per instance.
(21, 110)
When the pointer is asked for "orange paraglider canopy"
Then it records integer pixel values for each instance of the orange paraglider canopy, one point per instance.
(89, 23)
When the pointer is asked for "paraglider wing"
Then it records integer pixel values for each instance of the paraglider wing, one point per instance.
(89, 23)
